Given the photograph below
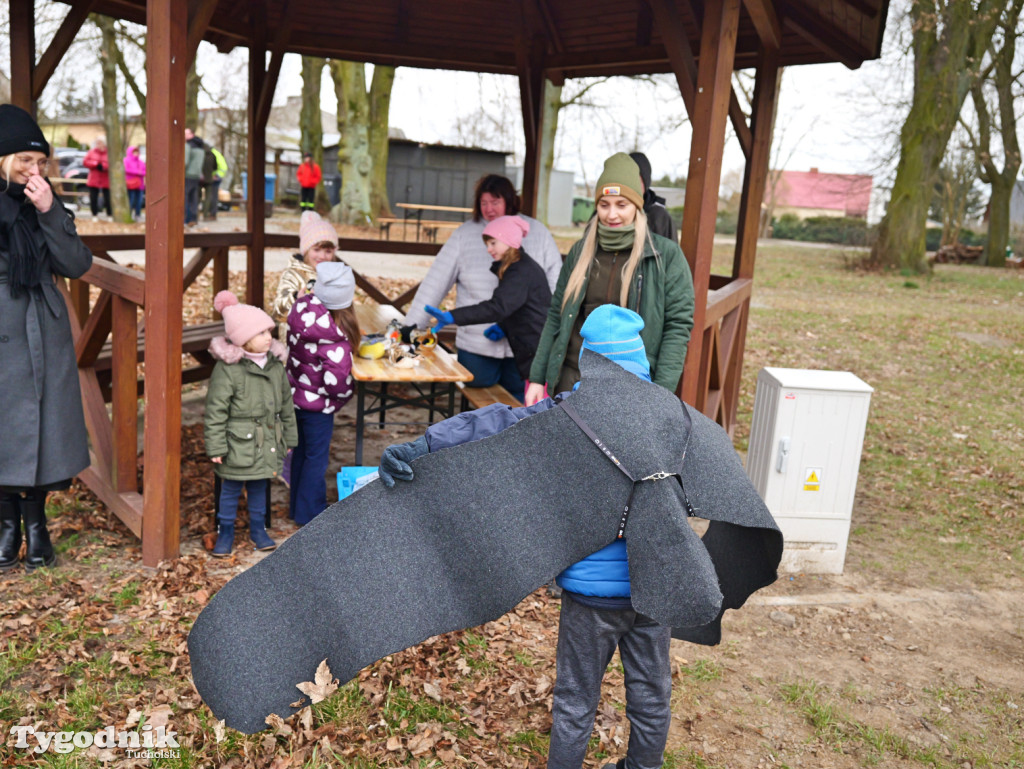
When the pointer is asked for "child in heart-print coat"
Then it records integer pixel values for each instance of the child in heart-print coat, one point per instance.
(321, 335)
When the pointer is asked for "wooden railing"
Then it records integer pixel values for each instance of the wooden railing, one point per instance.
(107, 332)
(721, 365)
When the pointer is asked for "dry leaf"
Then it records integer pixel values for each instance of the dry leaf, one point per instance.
(394, 743)
(323, 685)
(159, 716)
(278, 725)
(432, 690)
(219, 730)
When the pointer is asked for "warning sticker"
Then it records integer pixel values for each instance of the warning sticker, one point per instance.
(812, 479)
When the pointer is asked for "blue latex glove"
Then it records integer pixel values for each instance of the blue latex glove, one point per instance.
(444, 318)
(394, 462)
(494, 333)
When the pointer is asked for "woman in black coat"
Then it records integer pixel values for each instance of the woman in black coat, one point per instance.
(45, 442)
(519, 305)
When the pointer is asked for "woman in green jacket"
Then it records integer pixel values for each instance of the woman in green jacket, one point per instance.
(618, 261)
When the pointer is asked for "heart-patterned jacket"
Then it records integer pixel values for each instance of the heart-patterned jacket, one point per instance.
(319, 358)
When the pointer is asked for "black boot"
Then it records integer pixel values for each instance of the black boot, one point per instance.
(10, 531)
(38, 549)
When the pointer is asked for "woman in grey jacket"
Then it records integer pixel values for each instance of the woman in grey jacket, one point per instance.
(463, 262)
(45, 443)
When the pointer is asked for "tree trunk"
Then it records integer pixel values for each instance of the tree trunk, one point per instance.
(998, 221)
(192, 81)
(944, 63)
(552, 105)
(354, 163)
(109, 55)
(380, 109)
(311, 127)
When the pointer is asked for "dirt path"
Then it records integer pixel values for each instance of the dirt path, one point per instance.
(832, 672)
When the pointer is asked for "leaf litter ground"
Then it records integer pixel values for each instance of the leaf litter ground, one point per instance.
(914, 657)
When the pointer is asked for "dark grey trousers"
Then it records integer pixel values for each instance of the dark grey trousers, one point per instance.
(587, 639)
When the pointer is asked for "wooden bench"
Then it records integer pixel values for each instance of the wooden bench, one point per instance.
(385, 222)
(195, 341)
(478, 397)
(432, 228)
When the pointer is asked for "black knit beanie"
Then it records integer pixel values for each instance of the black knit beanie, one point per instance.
(19, 132)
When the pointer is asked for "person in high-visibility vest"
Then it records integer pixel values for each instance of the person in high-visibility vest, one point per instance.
(309, 177)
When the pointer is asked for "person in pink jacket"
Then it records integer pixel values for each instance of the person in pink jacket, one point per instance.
(98, 180)
(322, 332)
(135, 180)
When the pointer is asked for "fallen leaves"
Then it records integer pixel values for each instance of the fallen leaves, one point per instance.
(322, 686)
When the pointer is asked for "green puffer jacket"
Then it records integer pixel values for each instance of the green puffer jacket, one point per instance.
(662, 294)
(250, 417)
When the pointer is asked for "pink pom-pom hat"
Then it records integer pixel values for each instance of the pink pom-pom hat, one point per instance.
(241, 321)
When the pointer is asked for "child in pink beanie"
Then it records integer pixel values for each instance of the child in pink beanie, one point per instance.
(249, 422)
(519, 305)
(318, 243)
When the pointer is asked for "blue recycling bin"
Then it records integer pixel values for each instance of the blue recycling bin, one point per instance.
(270, 184)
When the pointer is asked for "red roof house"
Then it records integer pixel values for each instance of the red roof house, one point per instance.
(810, 193)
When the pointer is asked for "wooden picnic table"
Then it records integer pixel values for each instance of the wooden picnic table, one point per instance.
(419, 208)
(433, 380)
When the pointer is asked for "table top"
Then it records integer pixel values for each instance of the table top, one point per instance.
(428, 207)
(435, 365)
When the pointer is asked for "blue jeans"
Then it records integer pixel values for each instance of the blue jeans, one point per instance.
(255, 497)
(487, 371)
(135, 202)
(309, 465)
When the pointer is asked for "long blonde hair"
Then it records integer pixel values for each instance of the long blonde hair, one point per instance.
(578, 276)
(5, 169)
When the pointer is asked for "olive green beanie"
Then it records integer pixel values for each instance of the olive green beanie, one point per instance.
(621, 176)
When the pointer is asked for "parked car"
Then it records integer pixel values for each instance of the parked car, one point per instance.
(76, 192)
(66, 156)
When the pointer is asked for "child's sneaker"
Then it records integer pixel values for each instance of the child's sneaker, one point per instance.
(225, 540)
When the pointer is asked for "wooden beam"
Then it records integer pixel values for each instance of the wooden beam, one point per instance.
(755, 174)
(550, 27)
(198, 24)
(766, 22)
(94, 332)
(869, 9)
(195, 266)
(824, 37)
(700, 210)
(255, 208)
(280, 44)
(166, 66)
(644, 25)
(530, 63)
(59, 45)
(124, 400)
(23, 54)
(684, 65)
(118, 280)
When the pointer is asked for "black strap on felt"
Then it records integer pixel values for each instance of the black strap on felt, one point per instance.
(575, 417)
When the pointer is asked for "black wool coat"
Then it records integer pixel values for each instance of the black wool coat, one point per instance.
(480, 527)
(44, 437)
(519, 305)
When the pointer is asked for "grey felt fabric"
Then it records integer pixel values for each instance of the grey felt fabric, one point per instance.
(479, 528)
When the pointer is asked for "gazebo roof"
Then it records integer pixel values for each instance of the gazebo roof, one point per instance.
(581, 37)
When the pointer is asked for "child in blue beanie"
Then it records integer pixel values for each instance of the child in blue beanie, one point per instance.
(596, 615)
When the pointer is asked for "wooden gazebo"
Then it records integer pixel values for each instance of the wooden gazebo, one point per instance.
(700, 42)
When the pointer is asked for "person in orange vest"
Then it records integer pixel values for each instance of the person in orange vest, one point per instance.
(309, 176)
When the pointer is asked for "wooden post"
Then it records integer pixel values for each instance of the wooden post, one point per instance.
(531, 95)
(255, 209)
(755, 175)
(714, 90)
(124, 401)
(166, 63)
(23, 53)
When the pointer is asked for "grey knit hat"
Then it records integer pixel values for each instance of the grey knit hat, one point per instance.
(335, 285)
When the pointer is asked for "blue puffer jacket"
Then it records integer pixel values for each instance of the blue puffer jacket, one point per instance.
(605, 573)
